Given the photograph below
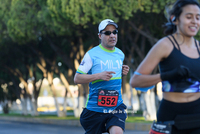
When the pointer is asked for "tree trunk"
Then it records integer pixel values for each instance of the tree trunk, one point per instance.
(34, 106)
(50, 80)
(66, 84)
(65, 103)
(81, 98)
(24, 106)
(150, 106)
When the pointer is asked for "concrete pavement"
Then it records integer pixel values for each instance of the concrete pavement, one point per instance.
(14, 127)
(129, 126)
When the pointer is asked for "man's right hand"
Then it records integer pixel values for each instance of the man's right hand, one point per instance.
(106, 75)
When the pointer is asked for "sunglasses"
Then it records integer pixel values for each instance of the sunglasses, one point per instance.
(109, 32)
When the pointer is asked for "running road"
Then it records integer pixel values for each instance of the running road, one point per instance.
(8, 127)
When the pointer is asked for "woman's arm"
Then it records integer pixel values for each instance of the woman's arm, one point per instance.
(158, 52)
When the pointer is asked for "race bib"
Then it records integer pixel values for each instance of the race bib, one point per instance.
(107, 98)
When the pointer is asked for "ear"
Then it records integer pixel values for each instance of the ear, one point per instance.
(174, 20)
(99, 36)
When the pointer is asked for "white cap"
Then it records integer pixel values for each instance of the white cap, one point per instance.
(106, 22)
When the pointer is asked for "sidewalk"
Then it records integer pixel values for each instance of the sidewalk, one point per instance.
(129, 126)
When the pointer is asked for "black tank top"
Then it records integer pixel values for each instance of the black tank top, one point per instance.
(174, 60)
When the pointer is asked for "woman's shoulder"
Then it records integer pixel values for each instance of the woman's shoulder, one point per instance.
(164, 46)
(164, 43)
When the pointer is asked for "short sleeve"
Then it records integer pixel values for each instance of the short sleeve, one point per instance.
(85, 65)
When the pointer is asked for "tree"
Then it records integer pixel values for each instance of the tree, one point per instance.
(68, 29)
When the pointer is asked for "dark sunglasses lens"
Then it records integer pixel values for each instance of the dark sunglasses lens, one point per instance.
(115, 32)
(107, 32)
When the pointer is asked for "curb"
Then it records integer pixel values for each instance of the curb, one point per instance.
(128, 125)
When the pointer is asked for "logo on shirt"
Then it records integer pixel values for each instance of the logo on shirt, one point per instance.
(101, 92)
(110, 64)
(82, 62)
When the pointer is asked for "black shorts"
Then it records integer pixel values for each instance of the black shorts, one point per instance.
(169, 110)
(98, 123)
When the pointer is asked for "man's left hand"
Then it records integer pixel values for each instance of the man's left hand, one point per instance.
(125, 70)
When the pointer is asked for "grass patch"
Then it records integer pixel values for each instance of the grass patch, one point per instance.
(137, 119)
(41, 116)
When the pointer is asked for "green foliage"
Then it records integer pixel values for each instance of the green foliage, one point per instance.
(4, 17)
(22, 22)
(80, 12)
(27, 20)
